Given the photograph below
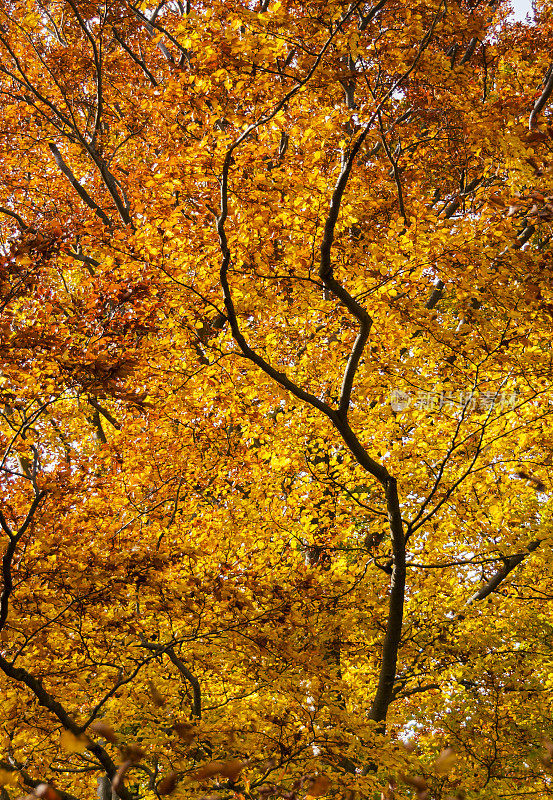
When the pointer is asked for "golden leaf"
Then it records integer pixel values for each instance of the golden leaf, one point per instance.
(73, 744)
(445, 761)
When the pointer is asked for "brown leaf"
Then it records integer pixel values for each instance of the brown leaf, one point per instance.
(230, 769)
(534, 164)
(389, 792)
(415, 781)
(535, 136)
(104, 730)
(547, 758)
(46, 792)
(133, 752)
(207, 771)
(185, 731)
(168, 784)
(532, 291)
(157, 698)
(119, 776)
(496, 200)
(319, 786)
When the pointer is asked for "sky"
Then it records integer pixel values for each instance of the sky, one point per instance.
(522, 8)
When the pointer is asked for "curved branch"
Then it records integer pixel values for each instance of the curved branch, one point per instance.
(9, 554)
(387, 674)
(45, 699)
(325, 264)
(192, 680)
(20, 221)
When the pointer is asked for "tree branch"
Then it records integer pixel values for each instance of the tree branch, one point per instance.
(386, 679)
(508, 566)
(542, 99)
(104, 412)
(469, 52)
(21, 223)
(7, 579)
(192, 680)
(81, 191)
(387, 674)
(45, 699)
(112, 183)
(31, 783)
(97, 68)
(436, 295)
(135, 58)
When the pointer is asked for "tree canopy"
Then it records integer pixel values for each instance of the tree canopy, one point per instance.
(276, 297)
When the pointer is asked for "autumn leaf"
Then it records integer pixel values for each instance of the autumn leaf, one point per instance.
(8, 778)
(230, 769)
(185, 731)
(155, 694)
(74, 744)
(105, 731)
(168, 784)
(232, 237)
(319, 787)
(445, 761)
(46, 792)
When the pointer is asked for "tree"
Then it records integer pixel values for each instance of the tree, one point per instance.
(276, 308)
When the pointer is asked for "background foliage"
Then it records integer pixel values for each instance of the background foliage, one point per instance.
(276, 298)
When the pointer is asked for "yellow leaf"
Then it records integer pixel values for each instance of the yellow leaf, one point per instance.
(8, 778)
(73, 744)
(445, 761)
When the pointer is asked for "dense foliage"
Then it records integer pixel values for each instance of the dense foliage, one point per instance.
(276, 298)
